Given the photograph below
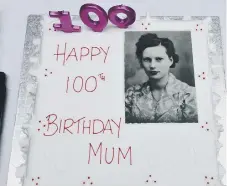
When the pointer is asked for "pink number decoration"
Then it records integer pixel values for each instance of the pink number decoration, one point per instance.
(122, 23)
(96, 26)
(65, 22)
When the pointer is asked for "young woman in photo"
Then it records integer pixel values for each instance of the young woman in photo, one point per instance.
(163, 98)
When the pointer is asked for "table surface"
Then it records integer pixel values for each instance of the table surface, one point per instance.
(12, 33)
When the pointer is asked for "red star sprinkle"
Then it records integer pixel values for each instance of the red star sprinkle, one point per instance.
(155, 181)
(149, 175)
(206, 122)
(37, 184)
(88, 177)
(204, 78)
(147, 181)
(44, 125)
(197, 25)
(38, 178)
(202, 126)
(212, 178)
(203, 72)
(84, 182)
(196, 29)
(206, 177)
(32, 179)
(91, 183)
(39, 121)
(38, 129)
(201, 29)
(207, 129)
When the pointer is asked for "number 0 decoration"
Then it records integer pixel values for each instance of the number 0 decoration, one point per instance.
(122, 23)
(97, 26)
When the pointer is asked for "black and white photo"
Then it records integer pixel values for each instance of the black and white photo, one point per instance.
(159, 78)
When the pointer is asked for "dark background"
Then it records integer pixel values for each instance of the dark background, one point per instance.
(184, 69)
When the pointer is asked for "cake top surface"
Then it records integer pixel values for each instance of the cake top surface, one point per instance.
(78, 89)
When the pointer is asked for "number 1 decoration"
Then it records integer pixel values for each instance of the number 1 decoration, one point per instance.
(97, 26)
(65, 22)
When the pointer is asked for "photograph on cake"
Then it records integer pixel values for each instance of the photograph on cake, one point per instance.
(159, 77)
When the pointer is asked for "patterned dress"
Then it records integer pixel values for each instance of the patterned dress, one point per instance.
(177, 103)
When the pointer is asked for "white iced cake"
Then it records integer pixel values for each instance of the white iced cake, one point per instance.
(122, 107)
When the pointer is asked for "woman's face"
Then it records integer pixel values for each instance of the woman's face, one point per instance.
(156, 62)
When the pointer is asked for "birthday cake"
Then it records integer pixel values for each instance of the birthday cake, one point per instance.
(119, 107)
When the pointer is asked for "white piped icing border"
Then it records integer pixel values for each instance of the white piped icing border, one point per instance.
(28, 87)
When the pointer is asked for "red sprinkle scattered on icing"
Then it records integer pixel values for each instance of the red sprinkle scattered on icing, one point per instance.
(88, 177)
(149, 175)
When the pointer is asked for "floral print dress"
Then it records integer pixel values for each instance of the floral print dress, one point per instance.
(177, 103)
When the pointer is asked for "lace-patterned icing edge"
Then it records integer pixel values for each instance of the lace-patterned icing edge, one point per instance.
(26, 99)
(216, 65)
(28, 85)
